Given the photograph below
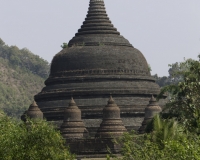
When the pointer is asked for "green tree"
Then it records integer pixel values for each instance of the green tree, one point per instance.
(2, 43)
(166, 141)
(35, 140)
(25, 59)
(65, 45)
(22, 75)
(176, 72)
(185, 96)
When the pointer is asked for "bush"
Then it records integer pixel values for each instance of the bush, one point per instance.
(137, 147)
(31, 141)
(166, 141)
(184, 97)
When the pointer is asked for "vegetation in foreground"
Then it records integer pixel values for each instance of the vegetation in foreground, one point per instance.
(167, 141)
(34, 140)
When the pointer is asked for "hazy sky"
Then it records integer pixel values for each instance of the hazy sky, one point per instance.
(165, 31)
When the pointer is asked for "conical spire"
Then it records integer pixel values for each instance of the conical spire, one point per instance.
(111, 101)
(72, 102)
(33, 112)
(97, 29)
(152, 100)
(97, 21)
(34, 103)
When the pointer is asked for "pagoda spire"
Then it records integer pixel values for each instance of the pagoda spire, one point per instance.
(97, 21)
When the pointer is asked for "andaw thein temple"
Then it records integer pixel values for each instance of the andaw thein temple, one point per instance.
(107, 77)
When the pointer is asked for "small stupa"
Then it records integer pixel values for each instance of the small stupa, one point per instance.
(33, 112)
(150, 111)
(112, 125)
(72, 126)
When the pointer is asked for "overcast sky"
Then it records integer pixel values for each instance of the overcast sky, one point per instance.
(165, 31)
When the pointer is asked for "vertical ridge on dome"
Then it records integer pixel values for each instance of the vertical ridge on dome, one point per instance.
(97, 20)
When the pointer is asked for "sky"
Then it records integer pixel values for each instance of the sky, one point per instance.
(165, 31)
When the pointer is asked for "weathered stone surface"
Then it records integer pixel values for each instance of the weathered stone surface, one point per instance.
(98, 62)
(112, 125)
(150, 111)
(72, 126)
(33, 112)
(93, 148)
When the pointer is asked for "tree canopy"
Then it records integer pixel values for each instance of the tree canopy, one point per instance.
(34, 140)
(22, 75)
(185, 96)
(25, 59)
(175, 71)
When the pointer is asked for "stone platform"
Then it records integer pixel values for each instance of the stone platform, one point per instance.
(93, 147)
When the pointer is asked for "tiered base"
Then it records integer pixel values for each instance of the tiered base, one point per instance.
(93, 148)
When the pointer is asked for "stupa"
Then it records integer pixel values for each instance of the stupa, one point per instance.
(111, 126)
(33, 112)
(98, 62)
(150, 111)
(72, 126)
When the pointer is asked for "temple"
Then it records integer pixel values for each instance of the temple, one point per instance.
(97, 63)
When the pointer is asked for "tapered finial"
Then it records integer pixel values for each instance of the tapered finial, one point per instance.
(111, 100)
(72, 102)
(34, 103)
(152, 99)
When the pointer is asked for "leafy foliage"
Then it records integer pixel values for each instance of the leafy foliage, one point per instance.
(175, 71)
(142, 148)
(166, 141)
(25, 59)
(185, 97)
(164, 130)
(162, 81)
(31, 141)
(22, 75)
(65, 45)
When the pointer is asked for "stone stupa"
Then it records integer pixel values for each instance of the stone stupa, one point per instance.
(151, 110)
(98, 62)
(33, 112)
(112, 125)
(72, 126)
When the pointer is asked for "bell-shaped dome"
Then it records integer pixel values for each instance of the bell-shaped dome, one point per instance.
(97, 62)
(33, 112)
(72, 126)
(98, 48)
(112, 125)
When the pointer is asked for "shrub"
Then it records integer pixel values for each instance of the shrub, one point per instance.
(31, 141)
(166, 141)
(143, 148)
